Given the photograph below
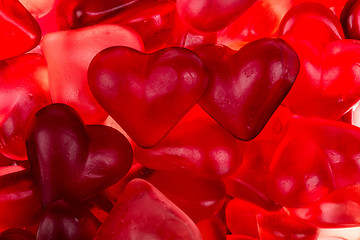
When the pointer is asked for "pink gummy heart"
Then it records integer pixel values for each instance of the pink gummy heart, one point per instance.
(73, 161)
(24, 90)
(211, 15)
(211, 151)
(328, 84)
(69, 53)
(143, 212)
(314, 158)
(19, 30)
(147, 94)
(246, 87)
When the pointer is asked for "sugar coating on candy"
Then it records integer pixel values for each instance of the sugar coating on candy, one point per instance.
(143, 212)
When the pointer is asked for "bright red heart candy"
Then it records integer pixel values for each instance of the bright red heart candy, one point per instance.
(69, 53)
(350, 19)
(314, 158)
(143, 212)
(19, 30)
(212, 229)
(147, 94)
(341, 208)
(73, 161)
(210, 152)
(24, 90)
(211, 15)
(280, 226)
(266, 68)
(239, 237)
(63, 220)
(328, 84)
(19, 205)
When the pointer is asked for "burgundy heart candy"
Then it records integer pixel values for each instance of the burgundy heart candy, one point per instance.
(246, 87)
(147, 94)
(19, 30)
(143, 212)
(73, 161)
(350, 19)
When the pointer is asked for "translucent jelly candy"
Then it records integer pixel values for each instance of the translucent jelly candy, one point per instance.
(63, 220)
(20, 31)
(69, 53)
(23, 91)
(267, 68)
(315, 157)
(73, 161)
(212, 229)
(350, 19)
(16, 234)
(340, 208)
(328, 84)
(19, 205)
(143, 212)
(278, 226)
(211, 15)
(210, 151)
(152, 92)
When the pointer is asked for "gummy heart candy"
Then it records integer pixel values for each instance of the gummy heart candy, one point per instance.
(340, 208)
(73, 161)
(38, 8)
(16, 234)
(143, 212)
(70, 221)
(239, 237)
(69, 53)
(24, 90)
(315, 157)
(19, 205)
(266, 68)
(210, 152)
(328, 84)
(350, 19)
(211, 15)
(147, 94)
(278, 226)
(19, 30)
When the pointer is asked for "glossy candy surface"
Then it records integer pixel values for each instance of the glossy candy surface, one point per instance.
(151, 92)
(266, 68)
(141, 212)
(328, 84)
(73, 161)
(350, 19)
(69, 53)
(16, 234)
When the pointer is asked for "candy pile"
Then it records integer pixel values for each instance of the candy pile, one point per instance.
(178, 120)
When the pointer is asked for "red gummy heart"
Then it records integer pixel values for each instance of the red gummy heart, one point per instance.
(266, 68)
(69, 53)
(350, 19)
(211, 15)
(143, 212)
(19, 30)
(147, 94)
(314, 158)
(73, 161)
(328, 84)
(341, 208)
(210, 152)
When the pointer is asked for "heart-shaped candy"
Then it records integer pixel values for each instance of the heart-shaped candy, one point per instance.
(328, 84)
(73, 161)
(19, 30)
(246, 87)
(211, 15)
(350, 19)
(147, 94)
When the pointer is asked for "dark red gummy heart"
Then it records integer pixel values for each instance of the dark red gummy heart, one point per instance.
(350, 19)
(147, 94)
(19, 30)
(73, 161)
(328, 84)
(246, 87)
(143, 212)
